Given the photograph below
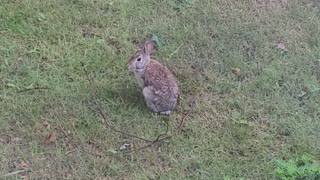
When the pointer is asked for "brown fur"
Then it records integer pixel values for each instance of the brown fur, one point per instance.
(159, 86)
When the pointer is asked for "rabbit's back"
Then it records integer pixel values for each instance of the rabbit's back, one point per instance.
(160, 88)
(161, 78)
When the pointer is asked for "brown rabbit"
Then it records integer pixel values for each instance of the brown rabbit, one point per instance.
(159, 86)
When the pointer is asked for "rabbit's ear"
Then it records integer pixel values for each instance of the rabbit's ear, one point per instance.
(148, 46)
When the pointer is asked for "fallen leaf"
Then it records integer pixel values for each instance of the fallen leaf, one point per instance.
(16, 139)
(236, 71)
(310, 4)
(282, 47)
(125, 146)
(113, 151)
(100, 41)
(2, 140)
(52, 137)
(41, 17)
(22, 164)
(70, 147)
(11, 85)
(46, 123)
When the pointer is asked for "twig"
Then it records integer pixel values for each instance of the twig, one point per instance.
(167, 122)
(15, 172)
(87, 74)
(71, 151)
(116, 130)
(105, 120)
(35, 88)
(181, 124)
(67, 136)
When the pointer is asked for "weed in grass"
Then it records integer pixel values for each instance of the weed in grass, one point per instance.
(301, 168)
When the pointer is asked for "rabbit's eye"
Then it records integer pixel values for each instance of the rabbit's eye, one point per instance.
(139, 59)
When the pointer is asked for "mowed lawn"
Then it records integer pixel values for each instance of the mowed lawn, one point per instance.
(252, 67)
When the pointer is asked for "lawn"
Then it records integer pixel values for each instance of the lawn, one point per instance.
(251, 67)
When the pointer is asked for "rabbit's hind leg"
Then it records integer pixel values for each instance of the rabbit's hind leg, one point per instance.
(150, 98)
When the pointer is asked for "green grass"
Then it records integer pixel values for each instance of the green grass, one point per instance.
(240, 125)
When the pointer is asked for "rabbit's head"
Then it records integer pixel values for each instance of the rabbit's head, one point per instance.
(141, 58)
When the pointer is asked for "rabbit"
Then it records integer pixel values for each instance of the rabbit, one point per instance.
(159, 86)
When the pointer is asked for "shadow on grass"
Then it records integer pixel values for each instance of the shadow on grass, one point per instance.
(121, 97)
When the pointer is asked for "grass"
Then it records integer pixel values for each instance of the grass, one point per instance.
(244, 119)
